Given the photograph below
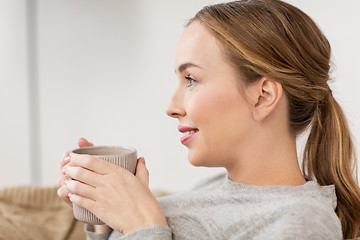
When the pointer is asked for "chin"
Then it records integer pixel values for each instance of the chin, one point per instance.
(196, 163)
(195, 160)
(199, 160)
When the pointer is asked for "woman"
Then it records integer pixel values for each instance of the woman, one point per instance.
(252, 76)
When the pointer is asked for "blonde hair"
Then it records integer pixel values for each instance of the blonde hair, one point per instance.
(275, 39)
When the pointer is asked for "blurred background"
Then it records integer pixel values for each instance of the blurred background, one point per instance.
(104, 70)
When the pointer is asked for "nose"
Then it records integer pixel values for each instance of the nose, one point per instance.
(176, 107)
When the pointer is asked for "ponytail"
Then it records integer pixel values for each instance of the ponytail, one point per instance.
(329, 157)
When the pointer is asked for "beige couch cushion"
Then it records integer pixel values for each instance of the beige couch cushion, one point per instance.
(29, 212)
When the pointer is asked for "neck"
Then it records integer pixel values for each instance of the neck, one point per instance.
(268, 161)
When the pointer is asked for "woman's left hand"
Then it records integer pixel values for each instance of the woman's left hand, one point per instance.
(117, 197)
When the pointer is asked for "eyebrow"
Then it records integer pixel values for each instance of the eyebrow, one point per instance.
(186, 65)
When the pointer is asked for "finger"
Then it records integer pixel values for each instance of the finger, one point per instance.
(142, 172)
(64, 159)
(62, 176)
(80, 189)
(82, 142)
(91, 163)
(81, 174)
(61, 180)
(82, 201)
(63, 193)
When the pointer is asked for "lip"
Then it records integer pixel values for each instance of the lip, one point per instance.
(186, 138)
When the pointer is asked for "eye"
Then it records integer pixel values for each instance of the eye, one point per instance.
(191, 81)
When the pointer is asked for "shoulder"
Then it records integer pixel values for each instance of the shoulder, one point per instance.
(308, 212)
(296, 213)
(308, 220)
(293, 219)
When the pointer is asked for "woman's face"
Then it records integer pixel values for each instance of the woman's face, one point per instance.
(213, 115)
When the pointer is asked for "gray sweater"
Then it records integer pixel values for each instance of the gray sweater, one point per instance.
(219, 208)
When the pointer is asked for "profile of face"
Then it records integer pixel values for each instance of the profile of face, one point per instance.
(213, 114)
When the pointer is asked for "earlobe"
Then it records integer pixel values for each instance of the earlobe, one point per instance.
(268, 93)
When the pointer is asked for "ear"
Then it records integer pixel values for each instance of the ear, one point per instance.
(266, 94)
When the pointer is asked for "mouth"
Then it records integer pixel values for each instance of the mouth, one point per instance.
(187, 133)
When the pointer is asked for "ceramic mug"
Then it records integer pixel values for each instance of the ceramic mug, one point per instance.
(125, 157)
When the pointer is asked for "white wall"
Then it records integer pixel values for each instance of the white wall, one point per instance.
(106, 72)
(14, 115)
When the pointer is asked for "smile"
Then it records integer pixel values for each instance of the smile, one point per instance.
(187, 133)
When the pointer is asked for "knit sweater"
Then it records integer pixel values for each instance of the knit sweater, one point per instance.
(219, 208)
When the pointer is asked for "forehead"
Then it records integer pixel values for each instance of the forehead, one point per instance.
(197, 45)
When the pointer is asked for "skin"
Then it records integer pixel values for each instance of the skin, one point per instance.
(243, 129)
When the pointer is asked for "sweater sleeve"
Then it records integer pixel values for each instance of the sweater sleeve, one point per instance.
(91, 235)
(155, 232)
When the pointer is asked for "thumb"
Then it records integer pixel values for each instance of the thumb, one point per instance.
(141, 172)
(82, 142)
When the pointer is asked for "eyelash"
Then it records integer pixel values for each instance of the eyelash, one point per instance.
(190, 79)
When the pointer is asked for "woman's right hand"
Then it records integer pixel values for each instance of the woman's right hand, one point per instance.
(62, 192)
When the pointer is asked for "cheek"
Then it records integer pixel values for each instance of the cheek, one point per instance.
(223, 119)
(204, 107)
(219, 109)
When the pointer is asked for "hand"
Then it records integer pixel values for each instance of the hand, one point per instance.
(63, 192)
(120, 199)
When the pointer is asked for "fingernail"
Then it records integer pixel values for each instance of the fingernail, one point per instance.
(67, 159)
(64, 170)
